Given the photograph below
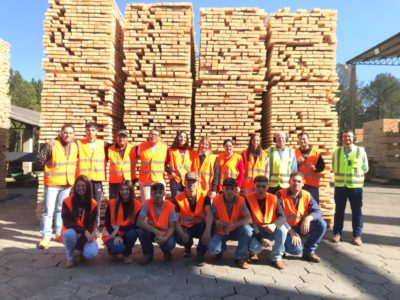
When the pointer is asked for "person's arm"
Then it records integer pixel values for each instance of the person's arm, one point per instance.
(133, 158)
(365, 166)
(68, 220)
(215, 180)
(243, 221)
(240, 177)
(107, 220)
(294, 163)
(313, 209)
(89, 226)
(142, 223)
(43, 155)
(168, 168)
(280, 215)
(320, 166)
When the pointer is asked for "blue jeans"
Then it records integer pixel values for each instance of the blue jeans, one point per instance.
(70, 239)
(313, 190)
(355, 197)
(176, 188)
(315, 235)
(217, 243)
(196, 231)
(147, 244)
(129, 239)
(97, 195)
(53, 200)
(279, 236)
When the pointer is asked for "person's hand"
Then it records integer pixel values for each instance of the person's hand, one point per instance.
(229, 227)
(238, 190)
(184, 236)
(296, 240)
(205, 237)
(266, 243)
(115, 227)
(300, 160)
(118, 240)
(160, 240)
(50, 142)
(174, 175)
(219, 224)
(157, 232)
(213, 194)
(305, 225)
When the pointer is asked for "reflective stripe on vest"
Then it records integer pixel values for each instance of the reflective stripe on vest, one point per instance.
(121, 168)
(81, 220)
(222, 213)
(293, 215)
(271, 202)
(60, 170)
(152, 165)
(348, 171)
(161, 222)
(92, 164)
(310, 176)
(253, 168)
(205, 171)
(228, 169)
(280, 167)
(181, 165)
(189, 218)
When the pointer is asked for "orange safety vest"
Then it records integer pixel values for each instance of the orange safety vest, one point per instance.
(119, 221)
(189, 218)
(152, 164)
(81, 220)
(271, 202)
(229, 169)
(205, 171)
(181, 165)
(222, 213)
(60, 170)
(121, 168)
(92, 164)
(162, 221)
(310, 176)
(253, 168)
(293, 215)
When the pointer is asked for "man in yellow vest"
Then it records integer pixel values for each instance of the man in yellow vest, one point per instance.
(304, 218)
(350, 163)
(152, 154)
(192, 207)
(310, 163)
(281, 163)
(268, 222)
(232, 219)
(59, 161)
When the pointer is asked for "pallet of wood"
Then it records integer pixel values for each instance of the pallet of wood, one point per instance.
(5, 107)
(232, 70)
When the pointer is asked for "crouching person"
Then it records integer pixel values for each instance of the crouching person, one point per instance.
(232, 219)
(79, 214)
(304, 218)
(120, 231)
(192, 207)
(268, 223)
(157, 218)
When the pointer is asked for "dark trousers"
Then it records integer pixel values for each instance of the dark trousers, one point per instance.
(355, 197)
(196, 231)
(98, 195)
(313, 190)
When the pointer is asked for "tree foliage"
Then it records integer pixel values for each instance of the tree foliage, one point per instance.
(24, 93)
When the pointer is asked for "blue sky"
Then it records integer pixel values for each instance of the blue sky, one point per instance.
(361, 25)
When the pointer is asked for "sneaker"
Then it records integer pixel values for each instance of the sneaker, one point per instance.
(218, 256)
(357, 241)
(243, 264)
(200, 260)
(127, 260)
(188, 253)
(70, 264)
(279, 264)
(146, 260)
(167, 256)
(44, 243)
(336, 238)
(311, 257)
(253, 257)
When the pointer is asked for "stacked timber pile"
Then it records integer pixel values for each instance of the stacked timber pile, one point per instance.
(5, 107)
(359, 136)
(159, 63)
(382, 144)
(83, 42)
(232, 69)
(302, 84)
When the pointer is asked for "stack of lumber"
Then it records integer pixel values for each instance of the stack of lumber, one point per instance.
(302, 84)
(5, 107)
(232, 69)
(159, 63)
(382, 144)
(359, 136)
(83, 42)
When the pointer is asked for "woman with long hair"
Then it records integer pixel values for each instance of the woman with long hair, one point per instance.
(120, 231)
(230, 165)
(255, 163)
(79, 214)
(179, 161)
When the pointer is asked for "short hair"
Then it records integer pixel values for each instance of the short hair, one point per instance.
(294, 174)
(91, 125)
(261, 178)
(347, 131)
(67, 125)
(157, 187)
(229, 141)
(303, 133)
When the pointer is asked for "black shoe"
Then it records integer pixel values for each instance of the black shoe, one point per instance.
(188, 253)
(200, 260)
(146, 260)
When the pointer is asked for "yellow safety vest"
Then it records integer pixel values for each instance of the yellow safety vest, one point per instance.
(348, 170)
(280, 167)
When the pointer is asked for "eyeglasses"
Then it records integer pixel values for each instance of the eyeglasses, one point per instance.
(261, 186)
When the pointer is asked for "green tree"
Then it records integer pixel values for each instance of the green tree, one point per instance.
(23, 93)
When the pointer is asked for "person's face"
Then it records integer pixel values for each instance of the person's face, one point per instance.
(191, 187)
(158, 196)
(125, 193)
(80, 187)
(122, 140)
(261, 189)
(154, 137)
(347, 138)
(182, 138)
(228, 147)
(303, 141)
(229, 192)
(67, 135)
(91, 133)
(296, 183)
(255, 142)
(280, 139)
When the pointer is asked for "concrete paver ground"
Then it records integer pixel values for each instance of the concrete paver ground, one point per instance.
(371, 271)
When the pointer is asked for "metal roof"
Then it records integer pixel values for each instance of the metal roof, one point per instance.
(24, 115)
(384, 53)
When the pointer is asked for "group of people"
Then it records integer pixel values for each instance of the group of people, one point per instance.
(255, 197)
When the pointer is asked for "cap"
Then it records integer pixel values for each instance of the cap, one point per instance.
(191, 176)
(229, 182)
(122, 132)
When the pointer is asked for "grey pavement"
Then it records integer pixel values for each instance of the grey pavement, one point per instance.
(371, 271)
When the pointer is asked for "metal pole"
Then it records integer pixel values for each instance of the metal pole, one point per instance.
(353, 95)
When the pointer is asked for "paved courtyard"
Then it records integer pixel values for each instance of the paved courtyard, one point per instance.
(368, 272)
